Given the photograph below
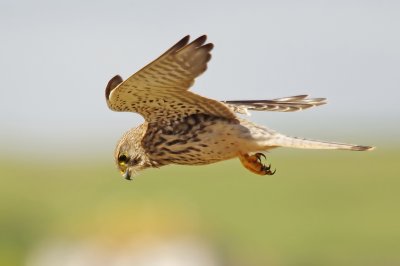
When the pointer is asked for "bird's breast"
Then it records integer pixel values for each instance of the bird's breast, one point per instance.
(194, 140)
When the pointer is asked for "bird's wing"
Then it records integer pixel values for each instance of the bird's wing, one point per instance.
(159, 91)
(287, 104)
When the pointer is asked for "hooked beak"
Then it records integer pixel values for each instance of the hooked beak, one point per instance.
(127, 174)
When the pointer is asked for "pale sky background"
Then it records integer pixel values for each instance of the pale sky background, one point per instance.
(57, 57)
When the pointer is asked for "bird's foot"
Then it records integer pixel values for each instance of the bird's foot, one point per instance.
(254, 164)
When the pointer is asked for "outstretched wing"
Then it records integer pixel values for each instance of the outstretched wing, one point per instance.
(159, 91)
(287, 104)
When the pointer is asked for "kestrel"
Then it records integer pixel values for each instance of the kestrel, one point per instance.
(182, 127)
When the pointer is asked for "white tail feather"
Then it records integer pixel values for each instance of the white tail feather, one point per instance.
(293, 142)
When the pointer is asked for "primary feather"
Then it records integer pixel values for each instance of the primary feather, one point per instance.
(286, 104)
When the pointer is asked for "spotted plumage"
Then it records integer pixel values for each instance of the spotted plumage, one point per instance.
(185, 128)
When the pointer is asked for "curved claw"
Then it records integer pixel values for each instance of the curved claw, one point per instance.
(267, 169)
(254, 164)
(271, 173)
(259, 155)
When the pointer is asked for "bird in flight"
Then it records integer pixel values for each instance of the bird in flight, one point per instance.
(182, 127)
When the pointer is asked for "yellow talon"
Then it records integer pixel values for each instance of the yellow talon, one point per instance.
(253, 163)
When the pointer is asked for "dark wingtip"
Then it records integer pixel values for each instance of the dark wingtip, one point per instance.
(112, 84)
(183, 41)
(362, 148)
(208, 47)
(197, 43)
(180, 44)
(200, 40)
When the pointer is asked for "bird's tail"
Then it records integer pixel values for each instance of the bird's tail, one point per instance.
(294, 142)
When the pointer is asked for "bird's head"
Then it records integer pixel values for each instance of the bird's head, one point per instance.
(130, 156)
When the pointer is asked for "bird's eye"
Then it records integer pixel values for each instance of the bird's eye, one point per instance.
(123, 159)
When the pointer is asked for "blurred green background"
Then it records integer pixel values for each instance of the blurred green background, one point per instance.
(321, 208)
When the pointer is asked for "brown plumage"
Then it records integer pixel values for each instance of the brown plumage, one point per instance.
(287, 104)
(182, 127)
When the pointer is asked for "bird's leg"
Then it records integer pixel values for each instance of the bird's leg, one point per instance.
(253, 163)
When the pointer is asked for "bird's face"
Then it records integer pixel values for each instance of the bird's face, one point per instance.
(129, 155)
